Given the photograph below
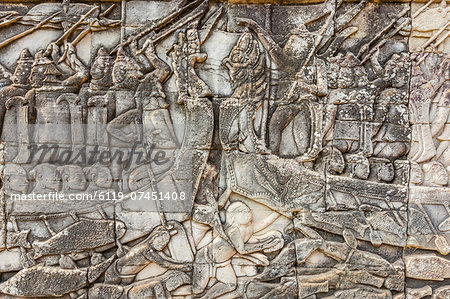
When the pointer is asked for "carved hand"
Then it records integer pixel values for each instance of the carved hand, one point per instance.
(52, 48)
(247, 22)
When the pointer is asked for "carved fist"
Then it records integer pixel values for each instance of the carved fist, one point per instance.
(52, 48)
(149, 46)
(187, 267)
(70, 49)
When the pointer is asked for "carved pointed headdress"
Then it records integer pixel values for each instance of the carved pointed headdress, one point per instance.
(23, 68)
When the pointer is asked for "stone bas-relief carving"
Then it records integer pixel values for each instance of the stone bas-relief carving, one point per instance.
(289, 150)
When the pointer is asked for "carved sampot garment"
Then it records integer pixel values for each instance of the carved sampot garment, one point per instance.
(214, 149)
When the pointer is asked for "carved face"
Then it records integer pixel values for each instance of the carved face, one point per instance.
(104, 178)
(101, 72)
(15, 179)
(47, 176)
(333, 75)
(75, 178)
(345, 78)
(396, 72)
(299, 46)
(360, 76)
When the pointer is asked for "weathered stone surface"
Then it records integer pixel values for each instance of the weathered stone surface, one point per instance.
(224, 149)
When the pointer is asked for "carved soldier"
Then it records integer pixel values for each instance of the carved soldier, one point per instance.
(440, 126)
(95, 100)
(239, 123)
(9, 115)
(149, 251)
(299, 99)
(123, 114)
(392, 137)
(157, 124)
(353, 100)
(52, 120)
(185, 55)
(423, 87)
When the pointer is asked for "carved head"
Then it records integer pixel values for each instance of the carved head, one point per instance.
(159, 238)
(15, 179)
(99, 176)
(246, 67)
(347, 76)
(300, 43)
(360, 75)
(396, 70)
(44, 71)
(73, 177)
(333, 70)
(101, 70)
(238, 213)
(125, 72)
(23, 68)
(47, 177)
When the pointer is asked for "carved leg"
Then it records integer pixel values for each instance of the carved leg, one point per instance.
(200, 275)
(281, 118)
(227, 282)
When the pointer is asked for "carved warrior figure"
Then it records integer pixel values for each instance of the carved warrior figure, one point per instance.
(299, 100)
(239, 227)
(239, 122)
(149, 251)
(428, 106)
(95, 101)
(391, 139)
(350, 109)
(157, 124)
(20, 86)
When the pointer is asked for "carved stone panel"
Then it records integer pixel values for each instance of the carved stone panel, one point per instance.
(225, 149)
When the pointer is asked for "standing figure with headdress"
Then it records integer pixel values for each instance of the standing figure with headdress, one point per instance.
(8, 116)
(239, 123)
(123, 113)
(298, 105)
(95, 100)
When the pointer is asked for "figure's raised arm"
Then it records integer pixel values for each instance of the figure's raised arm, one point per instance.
(275, 51)
(162, 69)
